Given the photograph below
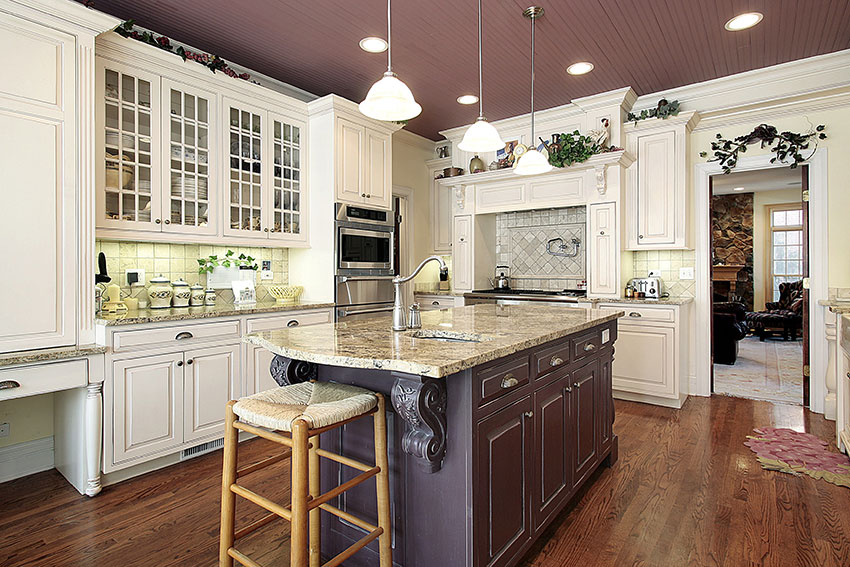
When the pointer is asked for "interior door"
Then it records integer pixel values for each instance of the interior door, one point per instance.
(806, 365)
(211, 380)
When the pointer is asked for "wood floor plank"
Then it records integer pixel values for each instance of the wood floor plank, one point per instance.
(685, 491)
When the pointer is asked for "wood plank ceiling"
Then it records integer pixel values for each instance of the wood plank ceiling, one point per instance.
(650, 45)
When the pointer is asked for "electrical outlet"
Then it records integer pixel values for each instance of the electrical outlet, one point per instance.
(686, 273)
(5, 429)
(134, 275)
(654, 274)
(266, 274)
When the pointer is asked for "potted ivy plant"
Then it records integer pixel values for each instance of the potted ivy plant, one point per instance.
(223, 270)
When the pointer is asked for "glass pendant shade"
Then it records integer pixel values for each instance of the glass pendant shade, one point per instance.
(481, 137)
(532, 162)
(389, 99)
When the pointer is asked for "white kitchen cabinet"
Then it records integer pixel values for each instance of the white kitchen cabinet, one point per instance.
(462, 275)
(656, 184)
(842, 367)
(38, 176)
(650, 362)
(603, 252)
(441, 208)
(434, 302)
(147, 405)
(211, 377)
(473, 252)
(363, 165)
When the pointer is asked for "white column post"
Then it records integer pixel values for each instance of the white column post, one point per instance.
(830, 399)
(93, 436)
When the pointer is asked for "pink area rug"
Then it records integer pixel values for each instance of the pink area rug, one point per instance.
(790, 451)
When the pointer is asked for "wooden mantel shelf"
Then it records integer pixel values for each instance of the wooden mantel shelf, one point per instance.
(598, 163)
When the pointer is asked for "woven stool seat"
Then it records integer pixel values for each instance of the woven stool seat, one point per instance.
(319, 403)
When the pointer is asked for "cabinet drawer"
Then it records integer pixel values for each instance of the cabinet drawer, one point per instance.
(43, 378)
(178, 335)
(290, 319)
(429, 302)
(636, 314)
(551, 358)
(496, 381)
(585, 345)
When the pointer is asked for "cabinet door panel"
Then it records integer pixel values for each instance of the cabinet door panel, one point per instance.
(287, 197)
(643, 363)
(503, 512)
(378, 170)
(499, 198)
(585, 421)
(462, 253)
(441, 219)
(553, 477)
(606, 403)
(247, 179)
(211, 379)
(350, 177)
(656, 188)
(604, 250)
(147, 394)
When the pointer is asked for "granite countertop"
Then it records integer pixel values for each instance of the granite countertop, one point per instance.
(47, 354)
(836, 306)
(370, 343)
(436, 292)
(139, 316)
(662, 301)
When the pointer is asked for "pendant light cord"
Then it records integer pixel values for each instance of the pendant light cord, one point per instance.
(532, 145)
(480, 67)
(389, 39)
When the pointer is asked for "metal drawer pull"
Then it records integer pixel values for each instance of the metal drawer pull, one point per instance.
(9, 384)
(556, 361)
(589, 347)
(529, 414)
(576, 385)
(293, 323)
(435, 303)
(184, 335)
(635, 314)
(509, 381)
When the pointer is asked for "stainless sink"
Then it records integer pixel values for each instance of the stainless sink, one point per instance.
(449, 336)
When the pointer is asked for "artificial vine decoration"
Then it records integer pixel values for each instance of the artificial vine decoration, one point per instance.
(567, 149)
(212, 62)
(663, 110)
(787, 144)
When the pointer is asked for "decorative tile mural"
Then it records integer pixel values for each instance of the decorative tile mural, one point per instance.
(668, 263)
(540, 247)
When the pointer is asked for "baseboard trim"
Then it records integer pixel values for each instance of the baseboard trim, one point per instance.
(24, 459)
(675, 403)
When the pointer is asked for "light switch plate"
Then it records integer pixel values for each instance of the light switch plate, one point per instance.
(686, 273)
(266, 274)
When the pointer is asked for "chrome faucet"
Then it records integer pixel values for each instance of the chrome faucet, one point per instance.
(399, 323)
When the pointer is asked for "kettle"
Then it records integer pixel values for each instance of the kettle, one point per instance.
(501, 281)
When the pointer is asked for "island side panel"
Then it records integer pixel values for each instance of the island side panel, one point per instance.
(430, 510)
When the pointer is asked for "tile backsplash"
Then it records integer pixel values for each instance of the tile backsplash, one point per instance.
(522, 239)
(181, 261)
(668, 263)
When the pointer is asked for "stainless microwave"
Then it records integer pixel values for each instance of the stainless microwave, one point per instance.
(364, 241)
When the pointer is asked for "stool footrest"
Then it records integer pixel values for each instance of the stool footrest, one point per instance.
(362, 524)
(264, 433)
(360, 544)
(337, 490)
(262, 501)
(248, 469)
(343, 460)
(242, 558)
(253, 526)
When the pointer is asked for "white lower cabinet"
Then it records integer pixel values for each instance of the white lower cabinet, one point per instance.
(211, 377)
(650, 355)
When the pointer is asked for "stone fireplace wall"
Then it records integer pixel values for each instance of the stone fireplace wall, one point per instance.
(732, 240)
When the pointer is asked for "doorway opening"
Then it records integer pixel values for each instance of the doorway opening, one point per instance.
(759, 264)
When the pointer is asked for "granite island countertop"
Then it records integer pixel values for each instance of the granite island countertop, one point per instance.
(662, 301)
(370, 343)
(139, 316)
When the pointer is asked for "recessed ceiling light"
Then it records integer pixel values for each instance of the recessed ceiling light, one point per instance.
(580, 68)
(738, 189)
(373, 44)
(744, 21)
(467, 99)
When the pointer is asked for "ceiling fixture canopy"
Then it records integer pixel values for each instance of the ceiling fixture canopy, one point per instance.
(467, 99)
(532, 162)
(390, 99)
(481, 136)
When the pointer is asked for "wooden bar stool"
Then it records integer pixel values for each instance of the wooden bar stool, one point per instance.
(304, 411)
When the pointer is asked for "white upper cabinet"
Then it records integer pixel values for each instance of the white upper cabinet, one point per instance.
(286, 203)
(656, 191)
(363, 165)
(246, 171)
(603, 257)
(441, 208)
(38, 176)
(462, 266)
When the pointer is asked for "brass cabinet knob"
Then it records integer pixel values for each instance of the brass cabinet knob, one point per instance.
(556, 361)
(509, 381)
(157, 221)
(589, 347)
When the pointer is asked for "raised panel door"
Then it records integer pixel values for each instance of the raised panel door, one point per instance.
(585, 423)
(552, 472)
(379, 191)
(211, 379)
(604, 250)
(644, 363)
(350, 149)
(656, 189)
(147, 405)
(503, 513)
(462, 253)
(504, 197)
(441, 216)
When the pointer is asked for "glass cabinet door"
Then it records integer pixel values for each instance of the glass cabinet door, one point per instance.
(245, 172)
(128, 196)
(188, 160)
(286, 206)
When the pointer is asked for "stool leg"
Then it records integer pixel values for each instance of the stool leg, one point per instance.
(315, 514)
(299, 541)
(382, 482)
(228, 477)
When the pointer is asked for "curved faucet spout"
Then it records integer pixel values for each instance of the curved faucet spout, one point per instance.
(399, 323)
(444, 270)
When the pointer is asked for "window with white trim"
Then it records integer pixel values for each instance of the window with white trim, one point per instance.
(786, 246)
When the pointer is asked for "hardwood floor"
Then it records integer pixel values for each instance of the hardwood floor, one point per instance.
(685, 491)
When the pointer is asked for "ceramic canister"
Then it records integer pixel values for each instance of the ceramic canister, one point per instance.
(160, 292)
(197, 297)
(209, 297)
(182, 293)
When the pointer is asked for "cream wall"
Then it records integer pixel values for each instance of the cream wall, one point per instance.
(762, 199)
(30, 418)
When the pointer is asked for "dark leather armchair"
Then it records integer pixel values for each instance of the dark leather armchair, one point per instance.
(730, 326)
(785, 315)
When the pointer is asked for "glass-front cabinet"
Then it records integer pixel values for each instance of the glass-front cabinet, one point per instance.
(187, 160)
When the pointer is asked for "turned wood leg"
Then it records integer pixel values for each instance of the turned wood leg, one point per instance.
(421, 403)
(228, 478)
(93, 436)
(300, 534)
(315, 514)
(383, 484)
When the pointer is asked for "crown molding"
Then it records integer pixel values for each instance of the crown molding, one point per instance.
(687, 119)
(411, 139)
(67, 11)
(625, 96)
(338, 105)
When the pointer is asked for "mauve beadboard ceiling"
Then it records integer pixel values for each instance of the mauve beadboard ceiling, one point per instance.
(650, 45)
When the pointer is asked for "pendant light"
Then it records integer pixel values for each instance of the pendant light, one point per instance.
(532, 161)
(481, 136)
(390, 99)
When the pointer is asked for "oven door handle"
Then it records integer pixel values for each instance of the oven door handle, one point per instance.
(343, 279)
(345, 313)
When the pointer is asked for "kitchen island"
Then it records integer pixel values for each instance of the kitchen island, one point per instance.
(501, 414)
